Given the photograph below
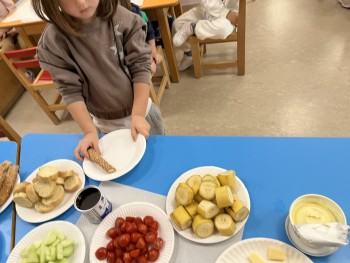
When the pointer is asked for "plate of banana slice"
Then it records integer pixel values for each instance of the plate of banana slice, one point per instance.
(208, 204)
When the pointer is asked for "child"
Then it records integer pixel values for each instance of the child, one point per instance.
(214, 19)
(7, 35)
(96, 53)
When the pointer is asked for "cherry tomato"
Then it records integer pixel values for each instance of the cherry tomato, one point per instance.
(142, 228)
(112, 232)
(148, 220)
(141, 243)
(127, 258)
(122, 227)
(154, 225)
(119, 252)
(158, 243)
(142, 259)
(153, 254)
(130, 227)
(119, 221)
(135, 237)
(110, 246)
(135, 253)
(101, 253)
(119, 260)
(130, 247)
(130, 219)
(124, 240)
(150, 237)
(111, 257)
(138, 220)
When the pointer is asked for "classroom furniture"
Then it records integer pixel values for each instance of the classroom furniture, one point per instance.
(10, 133)
(24, 65)
(198, 48)
(275, 171)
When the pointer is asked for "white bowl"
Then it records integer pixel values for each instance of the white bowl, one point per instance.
(301, 243)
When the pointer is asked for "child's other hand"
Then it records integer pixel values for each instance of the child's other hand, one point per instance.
(157, 57)
(139, 125)
(153, 67)
(89, 140)
(232, 17)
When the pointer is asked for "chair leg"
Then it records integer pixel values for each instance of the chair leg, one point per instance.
(9, 131)
(153, 95)
(196, 57)
(164, 68)
(44, 106)
(240, 59)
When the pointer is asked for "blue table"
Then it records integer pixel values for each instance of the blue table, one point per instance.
(8, 151)
(274, 170)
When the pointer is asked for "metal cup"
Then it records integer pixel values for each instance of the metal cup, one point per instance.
(92, 203)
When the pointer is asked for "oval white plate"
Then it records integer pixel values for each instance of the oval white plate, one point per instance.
(31, 215)
(9, 200)
(240, 190)
(239, 252)
(316, 252)
(120, 151)
(135, 209)
(39, 233)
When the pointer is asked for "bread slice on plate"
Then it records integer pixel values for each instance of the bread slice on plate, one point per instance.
(32, 195)
(41, 208)
(21, 187)
(4, 166)
(45, 190)
(71, 184)
(56, 198)
(66, 174)
(47, 173)
(59, 180)
(10, 181)
(22, 200)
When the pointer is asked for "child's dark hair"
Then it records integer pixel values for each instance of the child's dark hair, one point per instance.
(51, 12)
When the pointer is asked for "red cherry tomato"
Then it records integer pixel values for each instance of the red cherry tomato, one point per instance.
(119, 252)
(150, 237)
(138, 220)
(111, 257)
(130, 227)
(119, 260)
(135, 253)
(112, 232)
(142, 228)
(158, 243)
(147, 220)
(110, 246)
(127, 258)
(153, 255)
(141, 243)
(119, 221)
(135, 237)
(130, 247)
(130, 219)
(142, 259)
(124, 240)
(101, 253)
(154, 225)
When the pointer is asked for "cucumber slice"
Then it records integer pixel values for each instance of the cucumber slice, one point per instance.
(53, 253)
(60, 234)
(59, 251)
(50, 238)
(68, 251)
(67, 242)
(43, 254)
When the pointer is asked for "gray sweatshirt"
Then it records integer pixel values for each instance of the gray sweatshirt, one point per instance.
(89, 69)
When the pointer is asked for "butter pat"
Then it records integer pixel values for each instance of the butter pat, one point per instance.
(255, 258)
(275, 254)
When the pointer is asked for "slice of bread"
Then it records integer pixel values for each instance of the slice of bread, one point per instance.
(21, 187)
(59, 180)
(47, 173)
(56, 198)
(45, 190)
(66, 174)
(32, 195)
(71, 184)
(41, 208)
(22, 200)
(4, 166)
(10, 181)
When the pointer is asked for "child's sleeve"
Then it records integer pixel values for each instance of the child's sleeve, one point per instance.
(215, 8)
(9, 5)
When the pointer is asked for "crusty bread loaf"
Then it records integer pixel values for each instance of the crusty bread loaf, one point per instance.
(71, 184)
(56, 198)
(10, 181)
(98, 159)
(41, 208)
(22, 200)
(32, 195)
(59, 180)
(47, 173)
(4, 166)
(45, 190)
(66, 174)
(21, 187)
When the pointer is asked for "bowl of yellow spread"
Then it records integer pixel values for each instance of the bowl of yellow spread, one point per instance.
(312, 209)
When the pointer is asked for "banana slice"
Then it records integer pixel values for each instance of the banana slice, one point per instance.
(207, 209)
(195, 179)
(224, 196)
(211, 178)
(181, 218)
(184, 194)
(228, 178)
(202, 227)
(241, 212)
(207, 190)
(225, 224)
(192, 209)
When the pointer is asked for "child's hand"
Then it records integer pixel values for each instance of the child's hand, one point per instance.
(232, 17)
(157, 57)
(139, 125)
(89, 140)
(153, 67)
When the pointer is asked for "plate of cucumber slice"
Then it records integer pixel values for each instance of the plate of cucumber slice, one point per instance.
(201, 204)
(56, 241)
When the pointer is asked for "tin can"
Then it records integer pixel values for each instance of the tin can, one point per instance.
(92, 203)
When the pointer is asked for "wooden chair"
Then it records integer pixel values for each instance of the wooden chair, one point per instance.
(9, 132)
(19, 61)
(163, 80)
(198, 47)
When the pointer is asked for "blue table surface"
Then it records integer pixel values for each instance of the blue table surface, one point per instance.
(8, 151)
(275, 170)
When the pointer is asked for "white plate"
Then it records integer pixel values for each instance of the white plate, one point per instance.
(141, 209)
(9, 200)
(40, 232)
(316, 252)
(120, 151)
(239, 252)
(31, 215)
(240, 190)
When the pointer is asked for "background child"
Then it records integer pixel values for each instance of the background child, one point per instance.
(214, 19)
(96, 53)
(7, 35)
